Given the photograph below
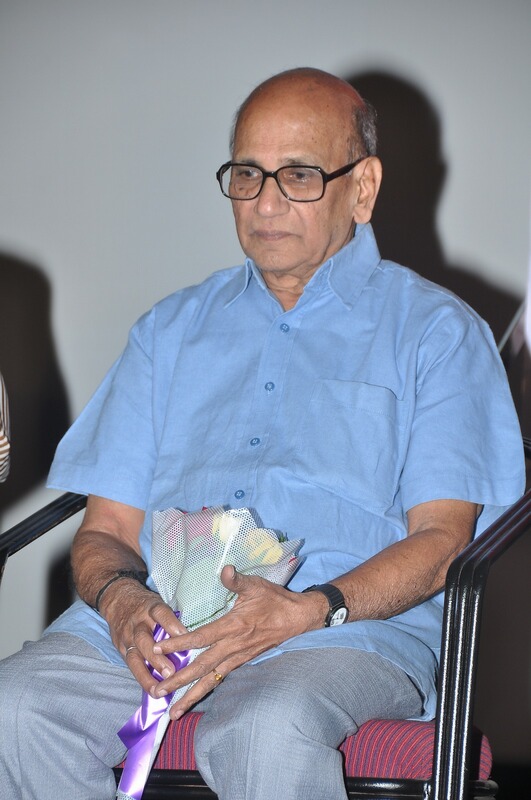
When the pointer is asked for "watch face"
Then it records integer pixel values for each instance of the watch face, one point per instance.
(339, 616)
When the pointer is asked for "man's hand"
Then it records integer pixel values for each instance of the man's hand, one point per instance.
(264, 615)
(132, 612)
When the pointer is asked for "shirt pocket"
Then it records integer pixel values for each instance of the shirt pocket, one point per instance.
(350, 441)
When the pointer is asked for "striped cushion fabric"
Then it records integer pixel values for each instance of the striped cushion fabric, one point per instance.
(4, 432)
(402, 749)
(381, 748)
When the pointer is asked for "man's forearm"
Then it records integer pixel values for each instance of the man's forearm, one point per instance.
(393, 581)
(106, 542)
(412, 570)
(96, 559)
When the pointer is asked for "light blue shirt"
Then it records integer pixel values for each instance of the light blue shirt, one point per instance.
(378, 391)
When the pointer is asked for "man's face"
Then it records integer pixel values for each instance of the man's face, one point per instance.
(290, 126)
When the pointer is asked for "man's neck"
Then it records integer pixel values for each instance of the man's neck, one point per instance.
(286, 288)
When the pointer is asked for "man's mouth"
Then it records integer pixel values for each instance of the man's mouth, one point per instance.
(271, 236)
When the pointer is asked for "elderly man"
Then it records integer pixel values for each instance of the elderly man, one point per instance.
(343, 398)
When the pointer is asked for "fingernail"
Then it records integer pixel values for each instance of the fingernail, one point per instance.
(157, 649)
(166, 672)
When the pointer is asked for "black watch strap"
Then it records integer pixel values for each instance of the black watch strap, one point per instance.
(133, 574)
(338, 612)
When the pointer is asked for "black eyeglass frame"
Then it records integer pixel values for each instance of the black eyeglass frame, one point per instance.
(326, 176)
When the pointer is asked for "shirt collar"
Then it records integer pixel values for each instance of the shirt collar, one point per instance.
(346, 272)
(239, 283)
(352, 266)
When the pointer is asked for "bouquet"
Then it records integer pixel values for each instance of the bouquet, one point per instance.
(188, 553)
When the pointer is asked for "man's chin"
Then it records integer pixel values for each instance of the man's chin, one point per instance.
(272, 257)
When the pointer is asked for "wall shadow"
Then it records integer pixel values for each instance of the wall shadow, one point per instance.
(37, 396)
(404, 220)
(405, 226)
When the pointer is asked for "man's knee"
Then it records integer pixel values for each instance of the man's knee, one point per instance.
(275, 701)
(260, 714)
(323, 695)
(17, 686)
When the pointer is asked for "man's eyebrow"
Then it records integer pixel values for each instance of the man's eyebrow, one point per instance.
(288, 162)
(251, 161)
(302, 161)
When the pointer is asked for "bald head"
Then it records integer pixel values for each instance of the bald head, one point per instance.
(319, 89)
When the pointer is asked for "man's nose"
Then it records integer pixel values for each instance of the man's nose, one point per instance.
(271, 200)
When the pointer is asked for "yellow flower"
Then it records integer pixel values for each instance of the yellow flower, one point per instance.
(226, 527)
(263, 548)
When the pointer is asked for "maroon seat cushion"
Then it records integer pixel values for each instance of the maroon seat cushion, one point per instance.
(381, 748)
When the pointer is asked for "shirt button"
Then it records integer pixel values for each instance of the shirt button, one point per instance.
(269, 386)
(284, 328)
(254, 442)
(239, 494)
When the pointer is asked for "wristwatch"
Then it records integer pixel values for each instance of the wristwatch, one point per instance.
(338, 613)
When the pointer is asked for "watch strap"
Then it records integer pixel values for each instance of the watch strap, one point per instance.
(334, 596)
(133, 574)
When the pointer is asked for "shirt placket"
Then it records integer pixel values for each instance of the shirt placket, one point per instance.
(261, 432)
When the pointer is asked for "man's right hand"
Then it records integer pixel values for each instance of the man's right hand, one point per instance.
(108, 541)
(132, 612)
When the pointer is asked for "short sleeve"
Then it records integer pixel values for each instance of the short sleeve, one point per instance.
(465, 437)
(110, 450)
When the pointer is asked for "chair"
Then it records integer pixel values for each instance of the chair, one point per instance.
(447, 759)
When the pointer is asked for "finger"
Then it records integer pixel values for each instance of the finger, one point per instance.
(200, 689)
(232, 579)
(190, 698)
(176, 644)
(160, 663)
(202, 669)
(179, 644)
(195, 671)
(196, 693)
(140, 651)
(137, 665)
(243, 585)
(165, 617)
(204, 636)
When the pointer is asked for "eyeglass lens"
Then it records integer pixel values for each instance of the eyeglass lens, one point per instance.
(244, 182)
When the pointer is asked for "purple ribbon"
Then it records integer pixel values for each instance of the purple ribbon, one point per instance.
(138, 733)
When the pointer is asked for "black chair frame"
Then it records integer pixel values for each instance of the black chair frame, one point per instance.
(465, 590)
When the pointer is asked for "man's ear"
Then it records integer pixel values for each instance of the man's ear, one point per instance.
(368, 186)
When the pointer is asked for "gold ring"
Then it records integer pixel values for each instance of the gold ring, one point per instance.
(128, 649)
(217, 677)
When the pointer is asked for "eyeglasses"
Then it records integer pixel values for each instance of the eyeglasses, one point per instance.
(297, 182)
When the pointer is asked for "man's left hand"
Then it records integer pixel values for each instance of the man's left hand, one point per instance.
(264, 615)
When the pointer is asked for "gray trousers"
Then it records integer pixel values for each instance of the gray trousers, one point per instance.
(270, 730)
